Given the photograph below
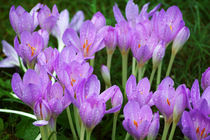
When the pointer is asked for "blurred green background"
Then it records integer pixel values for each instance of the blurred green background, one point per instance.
(189, 63)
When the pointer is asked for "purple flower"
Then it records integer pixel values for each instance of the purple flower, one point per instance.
(45, 36)
(47, 19)
(92, 104)
(140, 92)
(77, 21)
(31, 45)
(48, 58)
(195, 125)
(181, 37)
(98, 20)
(110, 39)
(12, 56)
(168, 24)
(90, 40)
(21, 20)
(205, 80)
(158, 54)
(106, 75)
(139, 121)
(34, 12)
(169, 101)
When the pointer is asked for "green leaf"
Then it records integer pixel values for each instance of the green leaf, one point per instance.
(1, 124)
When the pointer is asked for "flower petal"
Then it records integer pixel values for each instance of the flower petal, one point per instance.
(132, 10)
(117, 14)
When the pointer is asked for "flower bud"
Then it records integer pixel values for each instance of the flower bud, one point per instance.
(182, 36)
(158, 54)
(154, 127)
(98, 20)
(117, 98)
(106, 75)
(205, 80)
(110, 39)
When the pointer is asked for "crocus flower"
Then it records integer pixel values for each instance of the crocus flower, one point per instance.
(205, 80)
(140, 92)
(110, 39)
(181, 37)
(48, 58)
(47, 19)
(168, 24)
(158, 54)
(31, 45)
(77, 20)
(132, 13)
(139, 121)
(92, 104)
(106, 75)
(12, 56)
(45, 36)
(169, 100)
(21, 20)
(90, 40)
(98, 20)
(195, 125)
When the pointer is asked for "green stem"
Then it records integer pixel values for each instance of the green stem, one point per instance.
(127, 136)
(44, 132)
(114, 125)
(140, 70)
(109, 60)
(159, 74)
(89, 131)
(76, 118)
(82, 132)
(170, 64)
(124, 68)
(71, 123)
(92, 62)
(134, 66)
(152, 75)
(60, 45)
(172, 131)
(165, 130)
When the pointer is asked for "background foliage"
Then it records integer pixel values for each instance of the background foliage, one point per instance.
(189, 64)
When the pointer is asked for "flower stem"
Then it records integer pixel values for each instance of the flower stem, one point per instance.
(109, 59)
(159, 74)
(172, 131)
(44, 132)
(134, 66)
(152, 75)
(124, 68)
(140, 74)
(114, 125)
(165, 130)
(71, 123)
(82, 132)
(88, 134)
(92, 62)
(60, 45)
(127, 136)
(76, 118)
(170, 64)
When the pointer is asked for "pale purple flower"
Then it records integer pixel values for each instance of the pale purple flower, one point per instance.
(45, 36)
(205, 80)
(110, 39)
(180, 39)
(106, 75)
(90, 40)
(31, 45)
(98, 20)
(139, 121)
(12, 57)
(47, 19)
(139, 92)
(77, 20)
(158, 54)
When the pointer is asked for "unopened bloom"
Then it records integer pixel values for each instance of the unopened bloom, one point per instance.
(12, 56)
(31, 45)
(158, 54)
(195, 125)
(110, 39)
(106, 75)
(140, 92)
(47, 19)
(90, 40)
(205, 80)
(98, 20)
(138, 120)
(181, 37)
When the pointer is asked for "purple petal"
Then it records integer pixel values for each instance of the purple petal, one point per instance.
(117, 14)
(31, 77)
(166, 83)
(131, 10)
(107, 94)
(77, 21)
(131, 87)
(40, 123)
(205, 80)
(8, 63)
(92, 86)
(98, 20)
(195, 93)
(17, 85)
(154, 126)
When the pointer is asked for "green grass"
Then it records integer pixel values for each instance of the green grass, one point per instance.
(189, 63)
